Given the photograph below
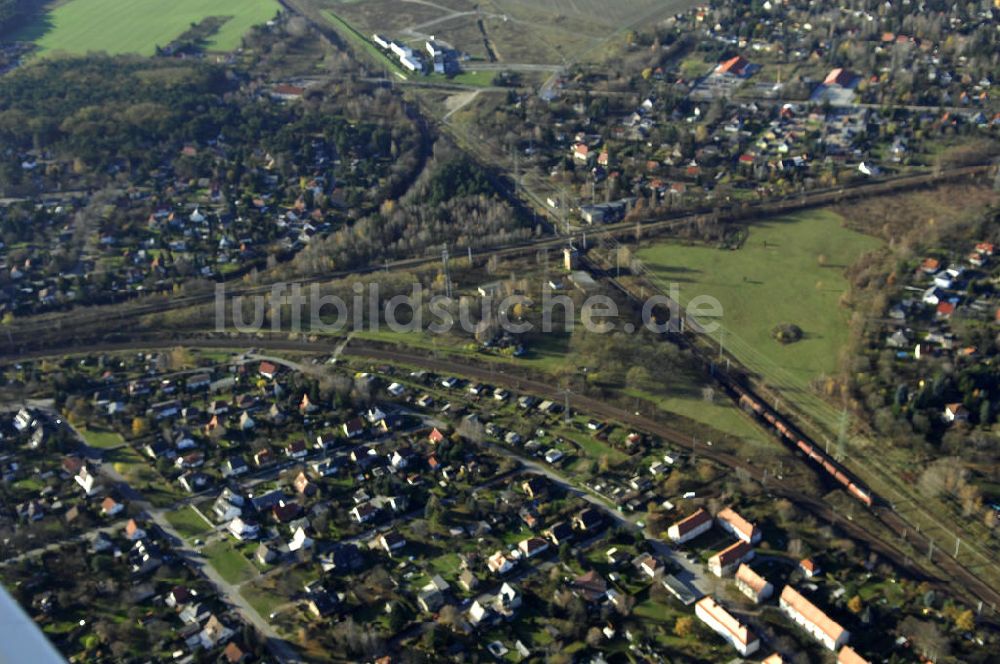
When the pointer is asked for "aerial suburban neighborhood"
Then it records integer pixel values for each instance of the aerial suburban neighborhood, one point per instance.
(404, 331)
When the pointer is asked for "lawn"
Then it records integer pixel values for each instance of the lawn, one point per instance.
(188, 523)
(264, 601)
(720, 413)
(483, 79)
(350, 33)
(790, 270)
(102, 438)
(139, 473)
(138, 26)
(228, 562)
(595, 449)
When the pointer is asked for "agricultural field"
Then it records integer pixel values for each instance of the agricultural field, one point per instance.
(139, 26)
(790, 270)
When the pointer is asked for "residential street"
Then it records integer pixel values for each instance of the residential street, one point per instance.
(280, 648)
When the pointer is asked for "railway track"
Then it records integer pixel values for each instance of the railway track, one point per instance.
(36, 331)
(782, 428)
(956, 579)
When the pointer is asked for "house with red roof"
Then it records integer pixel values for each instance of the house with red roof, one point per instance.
(807, 615)
(842, 77)
(809, 567)
(690, 526)
(848, 655)
(734, 524)
(735, 66)
(111, 507)
(725, 561)
(752, 584)
(944, 310)
(727, 626)
(955, 412)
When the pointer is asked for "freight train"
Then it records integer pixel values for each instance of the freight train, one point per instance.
(794, 437)
(753, 403)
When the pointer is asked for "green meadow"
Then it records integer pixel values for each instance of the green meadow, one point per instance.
(790, 270)
(139, 26)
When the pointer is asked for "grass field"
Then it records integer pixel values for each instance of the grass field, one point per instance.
(549, 352)
(520, 31)
(138, 26)
(351, 34)
(791, 270)
(228, 562)
(720, 413)
(187, 522)
(142, 476)
(102, 438)
(262, 600)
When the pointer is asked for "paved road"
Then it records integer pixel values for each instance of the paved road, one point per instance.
(113, 527)
(694, 574)
(278, 647)
(956, 578)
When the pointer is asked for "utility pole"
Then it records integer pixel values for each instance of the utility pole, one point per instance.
(447, 277)
(517, 169)
(562, 210)
(842, 435)
(470, 256)
(958, 542)
(930, 550)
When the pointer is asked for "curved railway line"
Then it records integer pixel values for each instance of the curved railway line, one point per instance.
(956, 578)
(36, 331)
(738, 387)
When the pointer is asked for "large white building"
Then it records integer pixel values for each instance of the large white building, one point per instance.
(690, 527)
(410, 63)
(726, 561)
(400, 50)
(727, 626)
(730, 521)
(812, 619)
(752, 584)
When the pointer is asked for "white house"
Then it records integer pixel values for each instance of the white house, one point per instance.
(23, 420)
(300, 540)
(727, 626)
(955, 412)
(726, 561)
(752, 584)
(734, 524)
(86, 481)
(690, 527)
(498, 563)
(933, 296)
(820, 626)
(243, 530)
